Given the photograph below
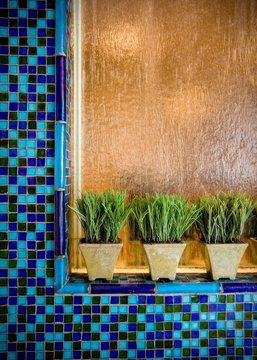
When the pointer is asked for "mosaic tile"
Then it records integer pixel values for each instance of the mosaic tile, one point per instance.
(34, 322)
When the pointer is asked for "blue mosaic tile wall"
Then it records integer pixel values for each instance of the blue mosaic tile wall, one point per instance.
(34, 323)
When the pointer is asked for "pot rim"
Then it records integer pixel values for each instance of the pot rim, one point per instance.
(165, 244)
(100, 244)
(241, 243)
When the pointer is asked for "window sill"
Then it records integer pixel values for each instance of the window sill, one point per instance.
(189, 283)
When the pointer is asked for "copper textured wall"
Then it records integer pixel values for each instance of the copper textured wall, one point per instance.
(169, 95)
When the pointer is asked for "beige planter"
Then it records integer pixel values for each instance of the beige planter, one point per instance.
(163, 259)
(222, 260)
(100, 259)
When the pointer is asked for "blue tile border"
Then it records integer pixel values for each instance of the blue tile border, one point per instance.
(63, 284)
(187, 288)
(98, 287)
(122, 288)
(61, 276)
(239, 287)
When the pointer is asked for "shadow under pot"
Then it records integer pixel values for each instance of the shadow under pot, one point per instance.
(163, 259)
(100, 259)
(222, 260)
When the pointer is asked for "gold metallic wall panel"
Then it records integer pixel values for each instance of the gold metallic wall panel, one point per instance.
(169, 97)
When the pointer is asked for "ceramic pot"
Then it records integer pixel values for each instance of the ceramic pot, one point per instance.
(163, 259)
(222, 260)
(100, 259)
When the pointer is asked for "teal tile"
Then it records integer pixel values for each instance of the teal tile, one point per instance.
(105, 318)
(13, 4)
(203, 334)
(32, 41)
(212, 316)
(67, 345)
(58, 336)
(150, 309)
(141, 345)
(49, 337)
(230, 324)
(12, 310)
(105, 336)
(13, 69)
(186, 343)
(50, 14)
(123, 309)
(194, 343)
(140, 335)
(22, 13)
(95, 327)
(131, 354)
(13, 273)
(21, 337)
(86, 345)
(31, 291)
(31, 328)
(186, 325)
(194, 325)
(12, 319)
(159, 309)
(114, 309)
(32, 4)
(104, 354)
(203, 351)
(32, 60)
(40, 319)
(149, 327)
(3, 125)
(177, 352)
(123, 327)
(95, 345)
(68, 355)
(247, 297)
(141, 318)
(122, 345)
(177, 334)
(221, 325)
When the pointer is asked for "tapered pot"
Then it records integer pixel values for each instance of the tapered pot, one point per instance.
(222, 260)
(163, 259)
(100, 259)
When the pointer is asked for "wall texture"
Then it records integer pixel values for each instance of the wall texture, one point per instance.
(169, 95)
(34, 323)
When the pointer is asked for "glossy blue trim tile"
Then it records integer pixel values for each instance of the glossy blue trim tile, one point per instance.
(74, 288)
(61, 26)
(60, 273)
(60, 233)
(60, 140)
(239, 287)
(122, 288)
(60, 88)
(187, 288)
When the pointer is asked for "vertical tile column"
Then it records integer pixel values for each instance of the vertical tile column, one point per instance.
(60, 138)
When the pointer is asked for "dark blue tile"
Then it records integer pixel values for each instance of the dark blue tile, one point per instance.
(122, 288)
(239, 287)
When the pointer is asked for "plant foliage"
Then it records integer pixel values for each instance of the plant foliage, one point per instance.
(162, 218)
(223, 216)
(102, 216)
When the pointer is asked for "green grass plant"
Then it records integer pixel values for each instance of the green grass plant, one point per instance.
(102, 216)
(162, 218)
(223, 216)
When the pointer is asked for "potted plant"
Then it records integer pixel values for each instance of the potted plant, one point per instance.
(221, 221)
(102, 217)
(251, 237)
(161, 221)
